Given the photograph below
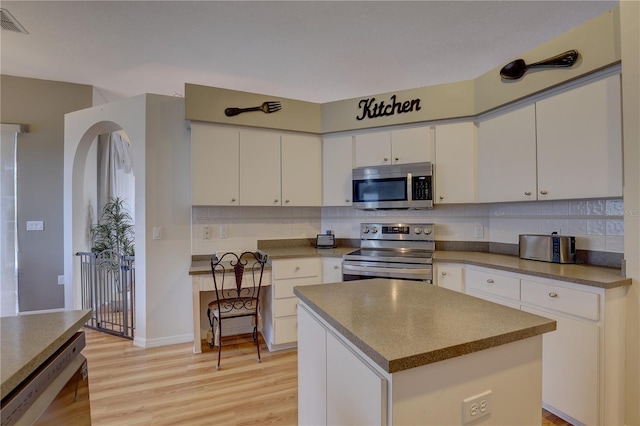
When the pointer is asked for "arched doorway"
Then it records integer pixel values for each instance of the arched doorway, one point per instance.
(103, 177)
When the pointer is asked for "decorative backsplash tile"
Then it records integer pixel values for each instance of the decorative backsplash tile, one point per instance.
(598, 225)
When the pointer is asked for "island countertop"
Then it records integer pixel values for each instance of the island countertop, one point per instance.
(29, 340)
(405, 324)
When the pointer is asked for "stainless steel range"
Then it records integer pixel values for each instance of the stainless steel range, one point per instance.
(392, 250)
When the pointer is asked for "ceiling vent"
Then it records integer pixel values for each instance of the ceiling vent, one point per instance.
(9, 23)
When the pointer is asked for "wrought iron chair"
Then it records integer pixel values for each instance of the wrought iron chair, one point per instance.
(233, 299)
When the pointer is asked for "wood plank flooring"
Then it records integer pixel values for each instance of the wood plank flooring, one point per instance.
(171, 385)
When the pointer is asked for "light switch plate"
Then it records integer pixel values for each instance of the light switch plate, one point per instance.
(35, 225)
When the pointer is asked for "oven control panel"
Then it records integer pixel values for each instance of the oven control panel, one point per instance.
(397, 231)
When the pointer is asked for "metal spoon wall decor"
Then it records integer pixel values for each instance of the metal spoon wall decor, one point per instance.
(516, 69)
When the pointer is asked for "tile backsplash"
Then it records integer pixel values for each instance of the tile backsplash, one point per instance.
(597, 224)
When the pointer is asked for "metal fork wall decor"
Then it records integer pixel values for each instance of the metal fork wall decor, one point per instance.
(267, 107)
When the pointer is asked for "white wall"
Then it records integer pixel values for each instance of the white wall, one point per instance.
(244, 226)
(630, 44)
(155, 126)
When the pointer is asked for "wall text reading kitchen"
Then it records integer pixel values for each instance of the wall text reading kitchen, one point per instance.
(370, 109)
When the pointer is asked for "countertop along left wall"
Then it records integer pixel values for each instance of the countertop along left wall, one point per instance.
(41, 104)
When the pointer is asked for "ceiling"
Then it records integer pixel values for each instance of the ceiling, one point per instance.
(317, 51)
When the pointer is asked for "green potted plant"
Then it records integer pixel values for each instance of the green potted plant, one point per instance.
(115, 229)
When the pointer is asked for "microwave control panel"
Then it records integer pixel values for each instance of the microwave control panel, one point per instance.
(421, 187)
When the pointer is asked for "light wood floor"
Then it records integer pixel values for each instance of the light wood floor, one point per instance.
(172, 386)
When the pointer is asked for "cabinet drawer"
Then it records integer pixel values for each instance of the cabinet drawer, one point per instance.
(284, 288)
(285, 307)
(575, 302)
(451, 277)
(296, 268)
(285, 330)
(491, 283)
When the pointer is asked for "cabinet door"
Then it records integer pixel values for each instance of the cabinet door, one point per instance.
(455, 163)
(215, 165)
(312, 370)
(579, 142)
(411, 145)
(331, 270)
(356, 394)
(570, 367)
(337, 163)
(301, 170)
(507, 157)
(373, 149)
(450, 276)
(259, 168)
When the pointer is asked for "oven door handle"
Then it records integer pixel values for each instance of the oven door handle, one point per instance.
(386, 271)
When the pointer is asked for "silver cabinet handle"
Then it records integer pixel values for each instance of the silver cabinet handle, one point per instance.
(441, 197)
(286, 201)
(490, 281)
(346, 200)
(275, 201)
(543, 192)
(444, 273)
(527, 193)
(396, 159)
(386, 159)
(233, 200)
(336, 267)
(297, 268)
(553, 294)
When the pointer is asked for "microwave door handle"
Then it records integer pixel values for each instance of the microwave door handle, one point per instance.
(409, 189)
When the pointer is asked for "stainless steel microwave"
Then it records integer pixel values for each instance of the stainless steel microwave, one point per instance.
(400, 186)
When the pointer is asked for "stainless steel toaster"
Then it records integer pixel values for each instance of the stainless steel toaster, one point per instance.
(548, 247)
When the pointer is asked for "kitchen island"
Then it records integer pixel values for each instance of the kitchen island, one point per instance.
(30, 343)
(403, 352)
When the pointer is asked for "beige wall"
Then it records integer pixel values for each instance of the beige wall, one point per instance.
(41, 104)
(630, 42)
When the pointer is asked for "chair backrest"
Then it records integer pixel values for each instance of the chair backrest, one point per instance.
(228, 272)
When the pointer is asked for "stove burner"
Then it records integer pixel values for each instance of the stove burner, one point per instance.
(397, 250)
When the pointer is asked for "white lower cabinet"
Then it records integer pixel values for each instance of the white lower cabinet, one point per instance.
(489, 285)
(280, 328)
(570, 367)
(331, 269)
(583, 361)
(450, 276)
(335, 386)
(356, 394)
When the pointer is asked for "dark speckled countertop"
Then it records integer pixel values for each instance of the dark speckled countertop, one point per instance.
(406, 324)
(28, 340)
(595, 276)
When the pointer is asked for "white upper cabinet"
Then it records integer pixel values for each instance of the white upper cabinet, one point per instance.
(215, 165)
(580, 143)
(507, 156)
(455, 163)
(373, 149)
(395, 147)
(411, 145)
(301, 170)
(259, 168)
(337, 163)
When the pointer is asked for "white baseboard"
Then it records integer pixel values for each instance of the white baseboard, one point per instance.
(162, 341)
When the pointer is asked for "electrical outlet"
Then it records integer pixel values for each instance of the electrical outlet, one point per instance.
(479, 231)
(224, 232)
(206, 233)
(476, 407)
(60, 279)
